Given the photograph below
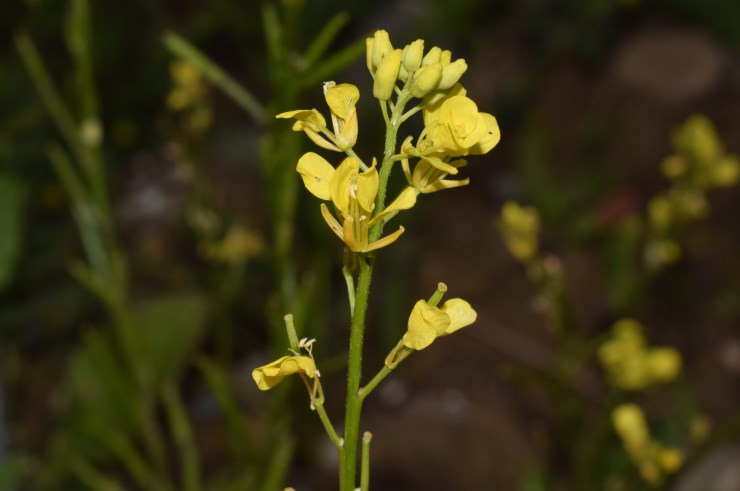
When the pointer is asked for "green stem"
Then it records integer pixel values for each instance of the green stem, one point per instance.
(348, 454)
(382, 374)
(391, 136)
(333, 436)
(350, 288)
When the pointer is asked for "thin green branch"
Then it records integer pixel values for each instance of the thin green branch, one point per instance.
(328, 426)
(379, 377)
(182, 433)
(180, 47)
(365, 465)
(323, 40)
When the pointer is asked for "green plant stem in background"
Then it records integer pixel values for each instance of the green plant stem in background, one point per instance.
(182, 432)
(216, 75)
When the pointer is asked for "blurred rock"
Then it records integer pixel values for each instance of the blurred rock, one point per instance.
(671, 64)
(719, 471)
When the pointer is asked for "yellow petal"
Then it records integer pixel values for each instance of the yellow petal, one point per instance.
(316, 173)
(340, 183)
(342, 99)
(387, 240)
(270, 375)
(490, 139)
(309, 117)
(367, 188)
(405, 200)
(425, 324)
(436, 99)
(461, 114)
(460, 312)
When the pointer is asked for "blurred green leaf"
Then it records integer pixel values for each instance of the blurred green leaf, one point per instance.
(12, 200)
(13, 469)
(103, 392)
(170, 327)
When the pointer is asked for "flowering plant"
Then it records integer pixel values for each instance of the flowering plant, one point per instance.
(406, 81)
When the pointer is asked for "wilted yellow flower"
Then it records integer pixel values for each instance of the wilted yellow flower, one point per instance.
(353, 194)
(427, 323)
(268, 376)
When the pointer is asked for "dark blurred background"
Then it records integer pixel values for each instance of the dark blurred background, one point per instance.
(586, 94)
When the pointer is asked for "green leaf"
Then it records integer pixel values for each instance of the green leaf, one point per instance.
(12, 201)
(102, 391)
(170, 327)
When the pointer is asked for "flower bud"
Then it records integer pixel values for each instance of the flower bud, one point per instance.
(445, 57)
(451, 73)
(381, 47)
(432, 56)
(426, 79)
(412, 55)
(386, 75)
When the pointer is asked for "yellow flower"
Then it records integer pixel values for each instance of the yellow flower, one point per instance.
(341, 100)
(427, 323)
(268, 376)
(456, 128)
(353, 194)
(313, 124)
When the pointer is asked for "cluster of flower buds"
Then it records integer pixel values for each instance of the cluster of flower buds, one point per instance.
(654, 460)
(520, 227)
(425, 75)
(630, 364)
(698, 165)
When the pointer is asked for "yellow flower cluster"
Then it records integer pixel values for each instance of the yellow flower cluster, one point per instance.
(520, 226)
(453, 127)
(632, 365)
(699, 165)
(353, 194)
(654, 460)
